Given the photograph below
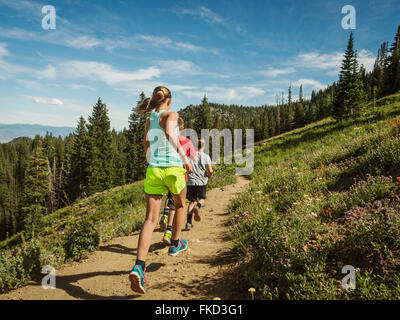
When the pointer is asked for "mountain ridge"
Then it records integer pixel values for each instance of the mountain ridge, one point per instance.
(9, 132)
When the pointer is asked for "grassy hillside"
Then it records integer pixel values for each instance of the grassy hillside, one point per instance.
(73, 232)
(323, 197)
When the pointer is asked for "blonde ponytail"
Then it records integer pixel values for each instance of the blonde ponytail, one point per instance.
(160, 95)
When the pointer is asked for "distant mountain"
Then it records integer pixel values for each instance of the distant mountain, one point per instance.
(9, 132)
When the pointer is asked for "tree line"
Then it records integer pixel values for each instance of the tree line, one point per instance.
(40, 175)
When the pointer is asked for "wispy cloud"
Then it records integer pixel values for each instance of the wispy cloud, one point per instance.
(331, 62)
(167, 42)
(3, 50)
(30, 9)
(205, 14)
(96, 71)
(48, 73)
(213, 18)
(310, 84)
(275, 72)
(45, 100)
(239, 94)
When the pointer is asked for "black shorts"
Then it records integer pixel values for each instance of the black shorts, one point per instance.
(171, 203)
(195, 193)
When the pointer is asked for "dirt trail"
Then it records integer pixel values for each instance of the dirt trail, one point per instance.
(203, 271)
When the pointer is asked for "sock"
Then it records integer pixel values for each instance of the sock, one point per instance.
(169, 228)
(174, 243)
(141, 263)
(189, 218)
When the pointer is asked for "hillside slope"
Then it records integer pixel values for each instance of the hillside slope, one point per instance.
(71, 233)
(202, 272)
(323, 197)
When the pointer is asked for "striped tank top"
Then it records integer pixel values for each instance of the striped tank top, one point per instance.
(163, 154)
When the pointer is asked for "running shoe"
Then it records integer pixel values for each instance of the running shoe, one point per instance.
(182, 246)
(164, 222)
(196, 212)
(167, 237)
(138, 279)
(188, 226)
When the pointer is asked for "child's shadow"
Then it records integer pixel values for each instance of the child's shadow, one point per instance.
(157, 246)
(153, 267)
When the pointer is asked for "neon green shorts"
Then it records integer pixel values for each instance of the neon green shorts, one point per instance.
(160, 180)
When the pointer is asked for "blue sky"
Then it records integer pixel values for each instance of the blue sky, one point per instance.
(239, 52)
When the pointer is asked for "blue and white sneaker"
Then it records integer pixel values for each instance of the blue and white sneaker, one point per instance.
(182, 246)
(138, 278)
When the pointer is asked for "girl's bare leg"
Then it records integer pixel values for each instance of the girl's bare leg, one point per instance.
(152, 216)
(179, 219)
(171, 216)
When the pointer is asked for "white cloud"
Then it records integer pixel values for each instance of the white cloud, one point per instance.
(331, 62)
(48, 73)
(317, 60)
(3, 50)
(105, 72)
(44, 100)
(309, 84)
(367, 59)
(178, 67)
(166, 42)
(275, 72)
(205, 14)
(239, 95)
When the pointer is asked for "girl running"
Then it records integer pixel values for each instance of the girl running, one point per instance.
(168, 165)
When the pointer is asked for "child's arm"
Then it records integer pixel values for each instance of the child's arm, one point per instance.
(171, 123)
(146, 143)
(209, 170)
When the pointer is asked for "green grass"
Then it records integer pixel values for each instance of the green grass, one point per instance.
(322, 197)
(71, 233)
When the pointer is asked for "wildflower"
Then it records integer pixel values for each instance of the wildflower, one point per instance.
(314, 214)
(252, 290)
(245, 213)
(328, 210)
(269, 209)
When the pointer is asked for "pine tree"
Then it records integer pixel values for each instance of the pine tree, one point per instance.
(350, 92)
(136, 157)
(393, 66)
(79, 159)
(299, 115)
(37, 189)
(301, 93)
(203, 119)
(100, 151)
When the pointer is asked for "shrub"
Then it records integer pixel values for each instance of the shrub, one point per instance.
(17, 268)
(82, 240)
